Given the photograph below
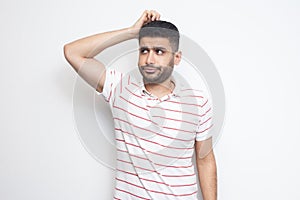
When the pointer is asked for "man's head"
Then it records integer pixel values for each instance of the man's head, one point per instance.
(161, 29)
(159, 43)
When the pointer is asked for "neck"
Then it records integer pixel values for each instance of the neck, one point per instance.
(160, 89)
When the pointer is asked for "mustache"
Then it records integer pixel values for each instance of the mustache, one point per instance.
(151, 66)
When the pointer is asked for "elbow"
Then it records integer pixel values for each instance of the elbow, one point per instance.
(205, 158)
(67, 52)
(71, 57)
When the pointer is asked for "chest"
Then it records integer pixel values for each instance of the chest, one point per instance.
(145, 115)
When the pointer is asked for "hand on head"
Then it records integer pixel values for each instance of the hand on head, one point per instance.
(147, 16)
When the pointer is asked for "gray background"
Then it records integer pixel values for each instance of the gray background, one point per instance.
(255, 46)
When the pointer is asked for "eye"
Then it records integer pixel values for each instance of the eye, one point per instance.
(159, 51)
(143, 50)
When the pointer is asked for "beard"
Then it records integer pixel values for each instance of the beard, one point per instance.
(156, 74)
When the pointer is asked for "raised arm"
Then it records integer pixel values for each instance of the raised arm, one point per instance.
(80, 53)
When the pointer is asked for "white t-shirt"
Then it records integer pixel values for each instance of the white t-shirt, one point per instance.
(155, 137)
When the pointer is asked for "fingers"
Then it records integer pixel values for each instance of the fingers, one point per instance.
(147, 16)
(151, 15)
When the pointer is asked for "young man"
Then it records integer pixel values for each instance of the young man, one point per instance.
(159, 120)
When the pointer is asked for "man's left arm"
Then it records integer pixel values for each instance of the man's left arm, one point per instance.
(207, 169)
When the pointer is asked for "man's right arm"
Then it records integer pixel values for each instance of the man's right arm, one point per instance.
(80, 53)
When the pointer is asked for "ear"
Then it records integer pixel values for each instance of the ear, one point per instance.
(177, 57)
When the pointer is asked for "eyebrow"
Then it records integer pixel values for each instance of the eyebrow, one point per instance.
(154, 47)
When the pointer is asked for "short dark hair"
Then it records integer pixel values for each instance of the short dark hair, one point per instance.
(161, 29)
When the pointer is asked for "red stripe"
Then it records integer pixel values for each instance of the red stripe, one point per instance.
(191, 104)
(121, 82)
(184, 185)
(131, 193)
(178, 120)
(163, 183)
(133, 114)
(205, 121)
(124, 151)
(132, 93)
(180, 111)
(134, 145)
(115, 93)
(119, 129)
(135, 84)
(176, 129)
(188, 194)
(130, 183)
(178, 175)
(115, 118)
(114, 101)
(167, 184)
(206, 112)
(193, 96)
(127, 172)
(155, 116)
(110, 92)
(124, 161)
(176, 195)
(154, 190)
(128, 80)
(153, 181)
(191, 89)
(133, 103)
(137, 166)
(205, 103)
(170, 166)
(204, 129)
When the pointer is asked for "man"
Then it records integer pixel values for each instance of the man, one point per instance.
(159, 120)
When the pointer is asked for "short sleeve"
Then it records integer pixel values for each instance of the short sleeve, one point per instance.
(112, 80)
(205, 123)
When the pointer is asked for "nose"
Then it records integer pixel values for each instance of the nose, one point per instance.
(150, 58)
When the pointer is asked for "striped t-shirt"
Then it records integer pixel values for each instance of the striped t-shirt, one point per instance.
(155, 137)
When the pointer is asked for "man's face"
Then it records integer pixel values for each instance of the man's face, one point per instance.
(156, 59)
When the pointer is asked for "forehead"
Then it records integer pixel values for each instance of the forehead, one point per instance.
(151, 42)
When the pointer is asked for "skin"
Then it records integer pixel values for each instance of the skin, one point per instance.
(156, 63)
(207, 169)
(80, 54)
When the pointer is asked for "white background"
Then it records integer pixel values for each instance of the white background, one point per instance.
(255, 46)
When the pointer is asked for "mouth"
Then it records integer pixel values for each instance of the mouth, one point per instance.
(150, 70)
